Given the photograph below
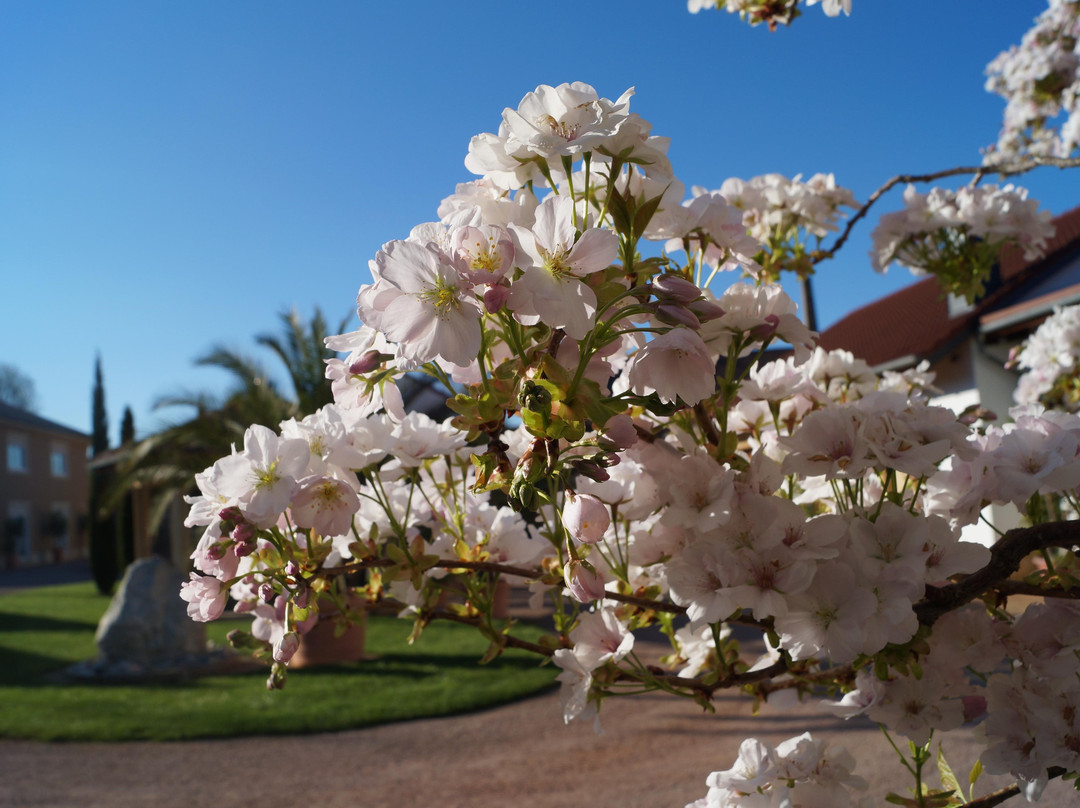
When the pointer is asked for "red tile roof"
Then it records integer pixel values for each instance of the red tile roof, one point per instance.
(915, 320)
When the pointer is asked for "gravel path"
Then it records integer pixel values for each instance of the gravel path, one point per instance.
(656, 751)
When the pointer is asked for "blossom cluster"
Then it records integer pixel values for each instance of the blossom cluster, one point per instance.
(958, 235)
(1032, 455)
(771, 12)
(1049, 358)
(780, 213)
(800, 771)
(1040, 82)
(626, 441)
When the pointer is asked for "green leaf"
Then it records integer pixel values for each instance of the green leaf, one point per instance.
(976, 770)
(620, 216)
(896, 799)
(948, 778)
(494, 650)
(644, 214)
(941, 799)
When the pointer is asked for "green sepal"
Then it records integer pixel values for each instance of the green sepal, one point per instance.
(643, 215)
(245, 641)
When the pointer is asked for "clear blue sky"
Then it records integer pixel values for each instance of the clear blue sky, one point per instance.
(174, 175)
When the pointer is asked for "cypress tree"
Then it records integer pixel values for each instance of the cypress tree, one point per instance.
(99, 438)
(104, 547)
(126, 513)
(127, 427)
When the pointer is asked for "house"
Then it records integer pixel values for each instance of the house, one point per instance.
(43, 489)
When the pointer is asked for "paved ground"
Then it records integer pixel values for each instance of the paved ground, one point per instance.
(656, 752)
(26, 577)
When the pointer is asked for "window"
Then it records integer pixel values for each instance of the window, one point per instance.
(16, 535)
(18, 458)
(58, 525)
(58, 461)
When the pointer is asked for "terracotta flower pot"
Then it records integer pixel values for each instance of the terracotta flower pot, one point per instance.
(319, 646)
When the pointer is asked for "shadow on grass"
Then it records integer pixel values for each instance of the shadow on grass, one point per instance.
(15, 622)
(34, 670)
(28, 668)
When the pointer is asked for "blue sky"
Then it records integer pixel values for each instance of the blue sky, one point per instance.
(175, 175)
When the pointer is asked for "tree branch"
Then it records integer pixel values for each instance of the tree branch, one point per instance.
(534, 573)
(1005, 558)
(1003, 170)
(999, 796)
(510, 641)
(1020, 588)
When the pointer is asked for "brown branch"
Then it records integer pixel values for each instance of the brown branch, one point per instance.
(704, 687)
(534, 573)
(646, 603)
(1003, 170)
(1005, 558)
(828, 675)
(741, 619)
(491, 566)
(509, 640)
(1021, 588)
(999, 796)
(704, 420)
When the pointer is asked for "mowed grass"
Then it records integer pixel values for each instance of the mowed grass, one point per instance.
(44, 630)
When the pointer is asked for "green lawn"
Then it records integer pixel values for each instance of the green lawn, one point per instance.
(45, 630)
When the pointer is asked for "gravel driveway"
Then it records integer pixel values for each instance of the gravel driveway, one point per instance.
(655, 752)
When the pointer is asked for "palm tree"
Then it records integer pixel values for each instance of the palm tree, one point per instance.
(303, 352)
(167, 461)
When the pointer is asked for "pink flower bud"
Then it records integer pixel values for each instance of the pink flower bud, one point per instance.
(591, 469)
(244, 532)
(974, 706)
(495, 298)
(766, 330)
(243, 548)
(619, 433)
(675, 287)
(367, 362)
(677, 315)
(292, 568)
(300, 597)
(585, 517)
(267, 593)
(285, 647)
(706, 310)
(230, 514)
(585, 584)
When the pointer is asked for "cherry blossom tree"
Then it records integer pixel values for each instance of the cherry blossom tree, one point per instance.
(628, 442)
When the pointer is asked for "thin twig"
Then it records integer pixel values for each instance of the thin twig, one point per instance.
(999, 796)
(533, 573)
(1004, 170)
(509, 640)
(1021, 588)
